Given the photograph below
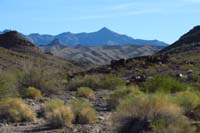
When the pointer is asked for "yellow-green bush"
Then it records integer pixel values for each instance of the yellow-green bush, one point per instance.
(16, 110)
(96, 82)
(151, 113)
(85, 92)
(111, 82)
(188, 100)
(163, 84)
(120, 93)
(8, 84)
(52, 104)
(32, 92)
(58, 114)
(83, 111)
(60, 117)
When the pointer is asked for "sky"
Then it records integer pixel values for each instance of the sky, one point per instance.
(165, 20)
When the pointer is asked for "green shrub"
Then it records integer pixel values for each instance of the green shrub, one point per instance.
(96, 82)
(111, 82)
(32, 92)
(44, 79)
(84, 112)
(188, 100)
(120, 93)
(16, 110)
(8, 84)
(150, 113)
(86, 92)
(163, 84)
(90, 81)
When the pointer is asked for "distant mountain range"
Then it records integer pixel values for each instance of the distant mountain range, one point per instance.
(102, 37)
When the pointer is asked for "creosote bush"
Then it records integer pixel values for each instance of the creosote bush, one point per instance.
(98, 81)
(120, 93)
(164, 84)
(85, 92)
(58, 114)
(8, 84)
(16, 110)
(83, 111)
(32, 92)
(151, 113)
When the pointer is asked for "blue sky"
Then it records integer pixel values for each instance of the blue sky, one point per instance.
(165, 20)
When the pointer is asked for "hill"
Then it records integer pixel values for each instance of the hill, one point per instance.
(98, 55)
(16, 51)
(102, 37)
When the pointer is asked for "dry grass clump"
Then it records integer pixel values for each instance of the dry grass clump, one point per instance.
(151, 113)
(189, 100)
(32, 92)
(120, 93)
(84, 112)
(58, 114)
(85, 92)
(16, 110)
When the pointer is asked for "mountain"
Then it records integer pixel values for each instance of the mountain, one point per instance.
(98, 55)
(16, 51)
(102, 37)
(180, 60)
(188, 42)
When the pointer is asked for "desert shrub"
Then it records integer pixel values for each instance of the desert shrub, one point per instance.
(83, 111)
(163, 84)
(58, 114)
(16, 110)
(47, 80)
(52, 104)
(99, 81)
(90, 81)
(60, 117)
(86, 92)
(32, 92)
(188, 100)
(8, 84)
(111, 82)
(120, 93)
(150, 113)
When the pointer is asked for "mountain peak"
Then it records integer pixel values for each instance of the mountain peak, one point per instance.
(104, 29)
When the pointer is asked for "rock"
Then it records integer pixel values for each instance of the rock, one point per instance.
(101, 118)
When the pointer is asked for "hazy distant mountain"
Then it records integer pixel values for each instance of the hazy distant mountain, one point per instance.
(98, 55)
(102, 37)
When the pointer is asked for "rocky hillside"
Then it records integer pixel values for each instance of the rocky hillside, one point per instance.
(16, 51)
(98, 55)
(188, 42)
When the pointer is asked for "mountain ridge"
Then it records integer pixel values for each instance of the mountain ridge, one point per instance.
(104, 36)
